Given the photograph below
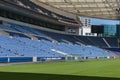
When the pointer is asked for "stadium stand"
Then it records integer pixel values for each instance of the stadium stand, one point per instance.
(21, 43)
(114, 50)
(86, 40)
(44, 47)
(98, 41)
(113, 42)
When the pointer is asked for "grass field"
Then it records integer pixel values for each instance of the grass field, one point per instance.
(88, 70)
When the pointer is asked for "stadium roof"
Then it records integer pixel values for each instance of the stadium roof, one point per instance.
(107, 9)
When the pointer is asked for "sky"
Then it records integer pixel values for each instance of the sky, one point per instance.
(102, 21)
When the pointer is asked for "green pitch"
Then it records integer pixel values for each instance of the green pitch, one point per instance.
(88, 70)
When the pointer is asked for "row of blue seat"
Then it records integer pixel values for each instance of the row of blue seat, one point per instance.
(114, 50)
(95, 41)
(19, 46)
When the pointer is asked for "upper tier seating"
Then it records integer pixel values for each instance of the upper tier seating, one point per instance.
(98, 41)
(112, 41)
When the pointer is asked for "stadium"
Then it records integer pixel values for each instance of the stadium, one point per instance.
(39, 39)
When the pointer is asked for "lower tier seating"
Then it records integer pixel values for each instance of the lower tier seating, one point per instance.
(21, 46)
